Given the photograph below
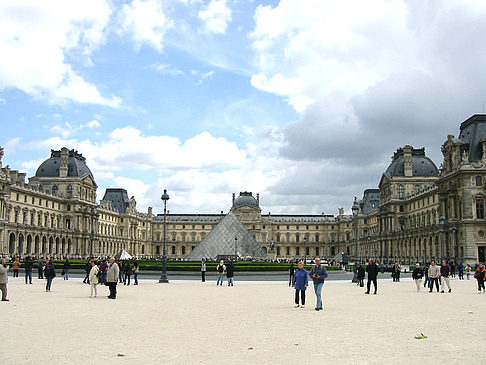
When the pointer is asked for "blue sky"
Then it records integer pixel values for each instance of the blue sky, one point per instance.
(303, 102)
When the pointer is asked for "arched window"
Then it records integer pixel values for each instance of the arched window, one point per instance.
(69, 191)
(278, 237)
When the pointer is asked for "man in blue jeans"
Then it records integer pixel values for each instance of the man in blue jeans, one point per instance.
(318, 274)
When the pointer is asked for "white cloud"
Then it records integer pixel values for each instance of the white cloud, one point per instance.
(67, 129)
(38, 37)
(146, 22)
(166, 69)
(215, 16)
(3, 101)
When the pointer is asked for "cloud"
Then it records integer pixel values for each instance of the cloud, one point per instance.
(39, 39)
(67, 129)
(3, 101)
(166, 69)
(146, 22)
(215, 16)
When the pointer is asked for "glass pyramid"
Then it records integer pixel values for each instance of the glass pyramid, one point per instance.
(221, 242)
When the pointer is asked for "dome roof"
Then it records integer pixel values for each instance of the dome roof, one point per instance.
(76, 165)
(245, 198)
(421, 164)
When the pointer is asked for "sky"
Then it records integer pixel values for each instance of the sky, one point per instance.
(303, 102)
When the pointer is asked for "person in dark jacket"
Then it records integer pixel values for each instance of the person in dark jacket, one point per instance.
(230, 273)
(128, 273)
(40, 269)
(291, 273)
(360, 274)
(460, 271)
(372, 270)
(300, 283)
(87, 269)
(318, 274)
(480, 275)
(28, 263)
(445, 273)
(50, 274)
(66, 267)
(417, 275)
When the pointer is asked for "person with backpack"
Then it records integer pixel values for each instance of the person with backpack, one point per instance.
(480, 275)
(221, 269)
(230, 273)
(28, 263)
(94, 275)
(103, 268)
(49, 274)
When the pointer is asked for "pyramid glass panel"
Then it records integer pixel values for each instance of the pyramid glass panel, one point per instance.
(221, 241)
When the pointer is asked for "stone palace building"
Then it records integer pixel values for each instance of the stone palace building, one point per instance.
(418, 213)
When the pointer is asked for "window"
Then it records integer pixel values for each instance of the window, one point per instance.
(278, 251)
(401, 209)
(401, 191)
(278, 237)
(317, 251)
(317, 237)
(297, 251)
(416, 188)
(307, 251)
(297, 237)
(306, 227)
(480, 209)
(173, 250)
(479, 181)
(69, 191)
(68, 208)
(183, 250)
(288, 251)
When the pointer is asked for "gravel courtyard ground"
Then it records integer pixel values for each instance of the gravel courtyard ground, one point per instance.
(187, 322)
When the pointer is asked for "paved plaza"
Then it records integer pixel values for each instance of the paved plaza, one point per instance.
(186, 322)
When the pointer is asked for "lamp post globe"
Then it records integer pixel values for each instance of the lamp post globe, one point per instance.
(163, 275)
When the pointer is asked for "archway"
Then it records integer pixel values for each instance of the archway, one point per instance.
(44, 245)
(21, 244)
(36, 245)
(51, 246)
(29, 244)
(11, 246)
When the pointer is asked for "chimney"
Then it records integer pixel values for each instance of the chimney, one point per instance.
(258, 199)
(407, 159)
(63, 167)
(233, 199)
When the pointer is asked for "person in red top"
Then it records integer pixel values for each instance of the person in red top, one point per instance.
(480, 275)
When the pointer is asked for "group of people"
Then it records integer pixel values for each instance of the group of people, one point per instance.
(300, 282)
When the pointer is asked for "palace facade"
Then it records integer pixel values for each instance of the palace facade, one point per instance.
(418, 213)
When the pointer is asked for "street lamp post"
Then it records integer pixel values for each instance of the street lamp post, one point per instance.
(236, 248)
(425, 248)
(355, 210)
(163, 275)
(454, 232)
(441, 235)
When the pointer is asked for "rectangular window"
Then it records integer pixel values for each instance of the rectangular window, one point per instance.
(297, 251)
(480, 209)
(307, 251)
(288, 251)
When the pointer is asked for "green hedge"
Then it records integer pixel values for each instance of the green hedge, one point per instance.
(156, 265)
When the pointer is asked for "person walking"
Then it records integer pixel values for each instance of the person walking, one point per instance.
(66, 267)
(394, 272)
(28, 263)
(417, 275)
(128, 273)
(87, 269)
(480, 275)
(468, 271)
(452, 266)
(230, 273)
(15, 267)
(434, 273)
(40, 269)
(203, 270)
(103, 268)
(460, 271)
(94, 279)
(49, 274)
(300, 283)
(136, 269)
(318, 274)
(372, 270)
(3, 279)
(426, 275)
(445, 273)
(291, 273)
(112, 277)
(221, 268)
(360, 275)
